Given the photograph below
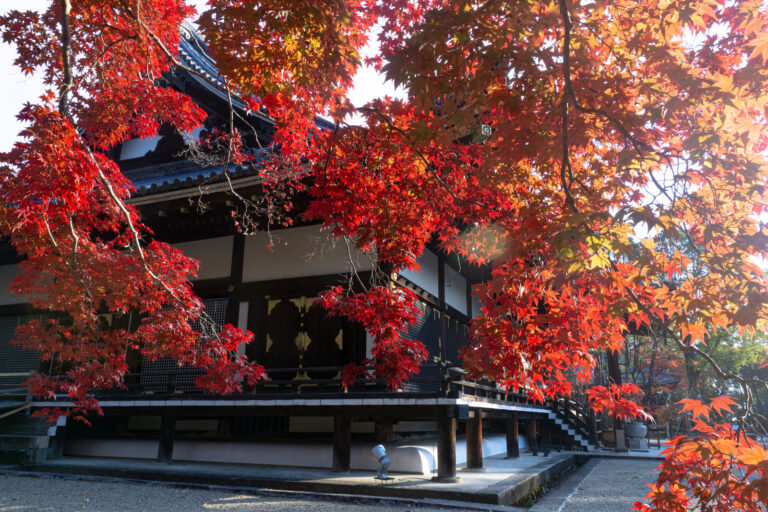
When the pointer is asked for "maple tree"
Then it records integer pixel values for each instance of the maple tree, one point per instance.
(608, 121)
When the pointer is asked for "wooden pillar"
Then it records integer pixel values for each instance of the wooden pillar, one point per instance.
(532, 441)
(342, 441)
(593, 428)
(614, 370)
(513, 447)
(546, 430)
(443, 309)
(614, 373)
(167, 436)
(235, 278)
(475, 441)
(384, 431)
(446, 447)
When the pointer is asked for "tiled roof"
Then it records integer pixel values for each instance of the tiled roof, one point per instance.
(180, 175)
(158, 178)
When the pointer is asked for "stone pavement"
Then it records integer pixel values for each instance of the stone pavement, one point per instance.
(601, 485)
(501, 482)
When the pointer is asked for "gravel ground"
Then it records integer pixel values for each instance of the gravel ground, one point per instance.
(608, 485)
(613, 485)
(26, 494)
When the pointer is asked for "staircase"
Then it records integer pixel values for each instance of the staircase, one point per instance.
(576, 422)
(579, 438)
(23, 439)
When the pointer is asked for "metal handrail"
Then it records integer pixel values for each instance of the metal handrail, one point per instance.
(15, 391)
(12, 391)
(22, 407)
(579, 415)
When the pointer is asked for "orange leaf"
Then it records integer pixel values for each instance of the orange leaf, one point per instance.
(753, 455)
(695, 406)
(722, 403)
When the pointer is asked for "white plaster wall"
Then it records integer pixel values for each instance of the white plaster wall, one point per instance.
(455, 289)
(142, 422)
(415, 426)
(404, 459)
(7, 274)
(414, 456)
(297, 252)
(426, 276)
(242, 323)
(214, 255)
(136, 148)
(314, 424)
(368, 344)
(120, 448)
(476, 305)
(493, 444)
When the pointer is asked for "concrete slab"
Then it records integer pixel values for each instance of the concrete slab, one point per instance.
(505, 482)
(653, 453)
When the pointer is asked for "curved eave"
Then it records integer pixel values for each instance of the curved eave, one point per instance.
(193, 53)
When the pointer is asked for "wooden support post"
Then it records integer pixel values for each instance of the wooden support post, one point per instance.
(546, 429)
(475, 441)
(614, 373)
(342, 441)
(446, 447)
(384, 431)
(593, 436)
(171, 388)
(167, 436)
(443, 321)
(532, 441)
(235, 279)
(513, 447)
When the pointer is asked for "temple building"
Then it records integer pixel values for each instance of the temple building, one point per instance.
(300, 415)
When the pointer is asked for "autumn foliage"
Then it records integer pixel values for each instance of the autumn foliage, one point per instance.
(612, 125)
(616, 400)
(717, 468)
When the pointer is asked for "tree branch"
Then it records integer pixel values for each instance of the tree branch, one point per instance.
(66, 64)
(565, 164)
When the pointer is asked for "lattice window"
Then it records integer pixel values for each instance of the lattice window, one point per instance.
(185, 376)
(13, 358)
(426, 330)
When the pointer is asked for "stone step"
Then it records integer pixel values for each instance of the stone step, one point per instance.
(23, 424)
(571, 431)
(22, 456)
(23, 442)
(8, 400)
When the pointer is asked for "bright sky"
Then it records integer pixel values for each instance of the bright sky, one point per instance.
(18, 89)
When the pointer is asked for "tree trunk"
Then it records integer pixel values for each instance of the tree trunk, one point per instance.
(614, 376)
(692, 373)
